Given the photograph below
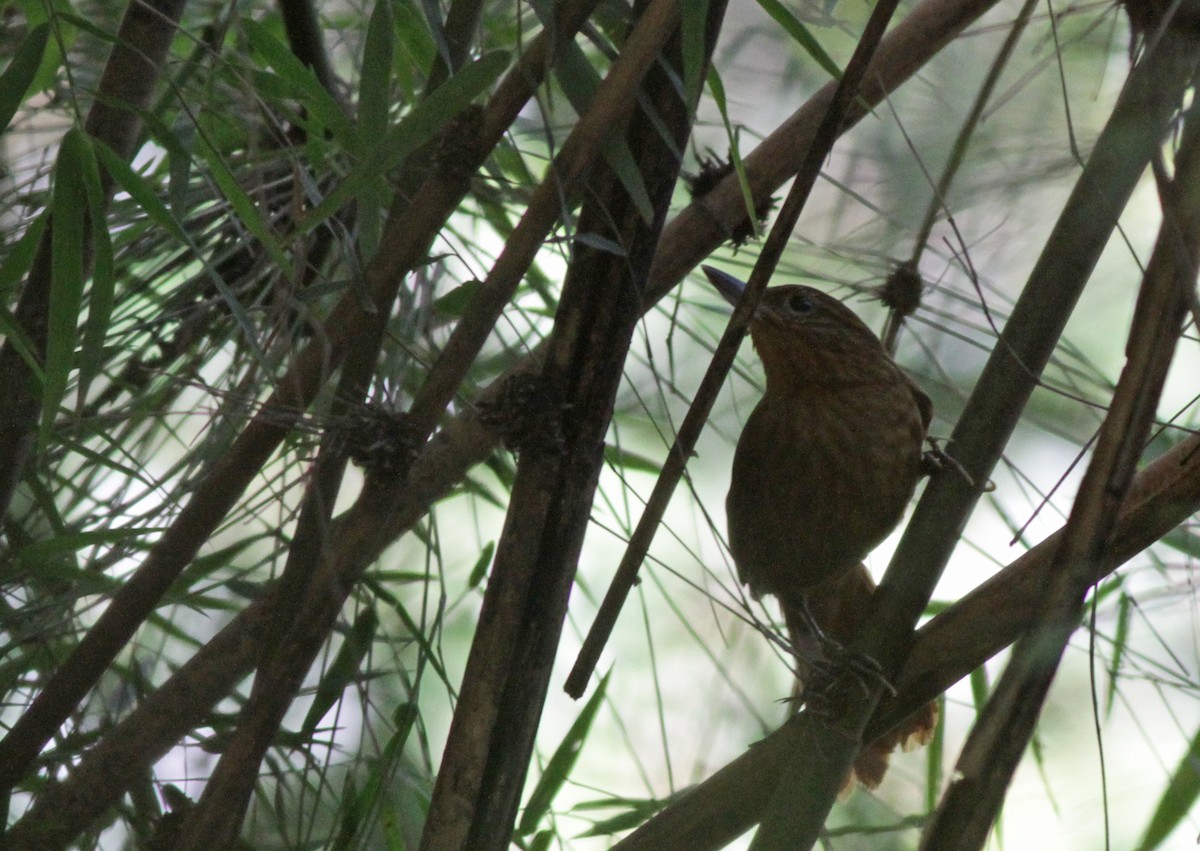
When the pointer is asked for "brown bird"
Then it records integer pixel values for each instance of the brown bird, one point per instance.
(822, 473)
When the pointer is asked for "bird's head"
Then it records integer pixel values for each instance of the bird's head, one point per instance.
(806, 337)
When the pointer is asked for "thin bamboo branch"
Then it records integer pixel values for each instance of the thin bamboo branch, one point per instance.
(958, 153)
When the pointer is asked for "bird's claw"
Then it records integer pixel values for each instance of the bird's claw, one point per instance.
(840, 660)
(936, 459)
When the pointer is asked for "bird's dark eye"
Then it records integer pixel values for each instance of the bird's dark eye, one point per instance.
(799, 303)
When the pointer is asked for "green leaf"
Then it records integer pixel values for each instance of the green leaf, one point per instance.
(579, 82)
(374, 87)
(979, 686)
(18, 76)
(56, 13)
(1178, 799)
(374, 100)
(600, 243)
(800, 34)
(935, 758)
(414, 49)
(620, 159)
(145, 196)
(1120, 642)
(693, 17)
(101, 296)
(558, 769)
(413, 130)
(358, 805)
(481, 565)
(735, 156)
(1183, 539)
(244, 207)
(12, 271)
(179, 163)
(344, 669)
(625, 460)
(352, 814)
(302, 80)
(454, 302)
(637, 811)
(19, 258)
(68, 203)
(42, 553)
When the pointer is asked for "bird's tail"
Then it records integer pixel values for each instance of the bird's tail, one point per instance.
(838, 607)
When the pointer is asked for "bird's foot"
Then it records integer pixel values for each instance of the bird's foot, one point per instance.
(936, 459)
(840, 662)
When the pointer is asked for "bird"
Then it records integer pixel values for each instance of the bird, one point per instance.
(823, 470)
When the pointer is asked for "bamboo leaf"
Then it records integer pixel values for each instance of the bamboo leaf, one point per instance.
(800, 34)
(481, 564)
(414, 48)
(244, 207)
(1178, 799)
(1120, 640)
(579, 82)
(302, 80)
(101, 295)
(692, 20)
(64, 543)
(56, 14)
(179, 163)
(558, 769)
(717, 88)
(627, 460)
(68, 202)
(145, 196)
(621, 160)
(17, 78)
(414, 129)
(343, 671)
(360, 804)
(637, 811)
(14, 268)
(373, 104)
(935, 758)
